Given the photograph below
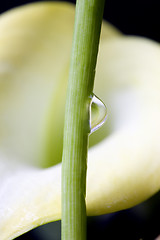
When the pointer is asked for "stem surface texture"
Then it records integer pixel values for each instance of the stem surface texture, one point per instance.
(88, 21)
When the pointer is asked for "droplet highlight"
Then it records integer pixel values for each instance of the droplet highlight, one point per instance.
(98, 113)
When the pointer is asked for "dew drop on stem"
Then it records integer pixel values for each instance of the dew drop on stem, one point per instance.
(98, 113)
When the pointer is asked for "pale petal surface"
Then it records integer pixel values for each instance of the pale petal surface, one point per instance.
(123, 164)
(35, 43)
(129, 149)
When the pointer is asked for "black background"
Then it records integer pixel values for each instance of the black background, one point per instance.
(136, 17)
(133, 17)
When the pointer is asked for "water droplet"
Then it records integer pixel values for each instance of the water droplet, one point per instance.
(98, 113)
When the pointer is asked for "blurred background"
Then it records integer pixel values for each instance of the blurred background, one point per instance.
(134, 17)
(137, 17)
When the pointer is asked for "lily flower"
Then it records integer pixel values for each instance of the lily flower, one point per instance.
(124, 155)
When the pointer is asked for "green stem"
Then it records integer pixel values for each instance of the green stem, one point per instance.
(76, 128)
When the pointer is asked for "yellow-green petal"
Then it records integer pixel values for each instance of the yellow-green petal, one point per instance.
(33, 56)
(124, 168)
(35, 43)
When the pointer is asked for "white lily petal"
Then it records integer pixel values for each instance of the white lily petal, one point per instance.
(35, 43)
(127, 160)
(123, 169)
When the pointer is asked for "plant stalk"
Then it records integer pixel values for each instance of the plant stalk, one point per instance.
(87, 28)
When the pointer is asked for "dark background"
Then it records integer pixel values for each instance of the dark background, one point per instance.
(138, 17)
(134, 17)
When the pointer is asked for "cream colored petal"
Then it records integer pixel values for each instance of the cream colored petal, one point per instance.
(35, 43)
(108, 31)
(124, 168)
(29, 197)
